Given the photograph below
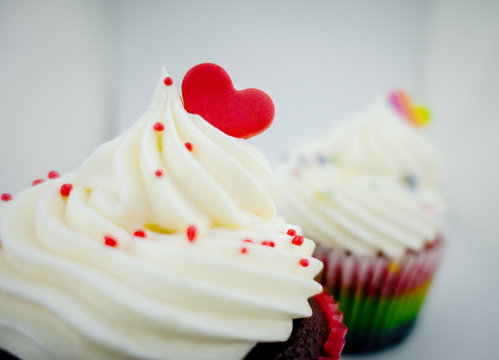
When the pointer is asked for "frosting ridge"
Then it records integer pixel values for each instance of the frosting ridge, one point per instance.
(368, 186)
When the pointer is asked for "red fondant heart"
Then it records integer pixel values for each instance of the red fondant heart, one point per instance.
(207, 90)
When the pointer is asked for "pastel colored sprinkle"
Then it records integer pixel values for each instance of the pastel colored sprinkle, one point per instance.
(188, 146)
(248, 240)
(291, 232)
(6, 197)
(191, 233)
(304, 262)
(158, 173)
(110, 241)
(157, 228)
(140, 233)
(427, 206)
(268, 243)
(320, 196)
(411, 181)
(159, 127)
(244, 250)
(66, 189)
(393, 267)
(53, 174)
(332, 159)
(37, 181)
(297, 240)
(415, 115)
(321, 159)
(168, 81)
(348, 173)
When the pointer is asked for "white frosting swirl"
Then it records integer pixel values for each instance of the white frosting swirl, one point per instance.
(368, 186)
(64, 293)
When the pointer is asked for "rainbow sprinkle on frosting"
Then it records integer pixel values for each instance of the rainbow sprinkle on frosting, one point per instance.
(417, 115)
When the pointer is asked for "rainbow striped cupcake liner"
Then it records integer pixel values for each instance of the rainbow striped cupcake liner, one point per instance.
(380, 298)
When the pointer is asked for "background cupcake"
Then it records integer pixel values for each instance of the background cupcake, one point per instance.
(366, 193)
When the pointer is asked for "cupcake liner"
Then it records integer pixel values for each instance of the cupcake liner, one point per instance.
(379, 297)
(318, 337)
(337, 330)
(7, 355)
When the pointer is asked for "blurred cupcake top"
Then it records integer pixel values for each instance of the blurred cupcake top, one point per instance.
(369, 186)
(164, 244)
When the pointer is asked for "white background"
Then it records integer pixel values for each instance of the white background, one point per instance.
(76, 73)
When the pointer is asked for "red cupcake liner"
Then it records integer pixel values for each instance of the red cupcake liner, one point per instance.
(337, 330)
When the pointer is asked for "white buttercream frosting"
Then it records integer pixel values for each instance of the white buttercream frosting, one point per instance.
(368, 186)
(64, 294)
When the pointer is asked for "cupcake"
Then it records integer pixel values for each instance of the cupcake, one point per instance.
(163, 244)
(367, 195)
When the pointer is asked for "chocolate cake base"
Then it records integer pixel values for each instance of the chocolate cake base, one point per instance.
(305, 343)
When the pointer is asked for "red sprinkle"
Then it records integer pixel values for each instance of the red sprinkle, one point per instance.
(291, 232)
(140, 233)
(297, 240)
(244, 250)
(159, 127)
(6, 197)
(268, 243)
(66, 189)
(427, 206)
(188, 146)
(109, 241)
(191, 233)
(168, 81)
(158, 173)
(53, 174)
(37, 181)
(248, 240)
(304, 262)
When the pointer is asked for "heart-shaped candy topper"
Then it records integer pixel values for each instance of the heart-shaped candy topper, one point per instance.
(207, 90)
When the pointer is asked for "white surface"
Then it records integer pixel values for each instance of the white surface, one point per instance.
(75, 73)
